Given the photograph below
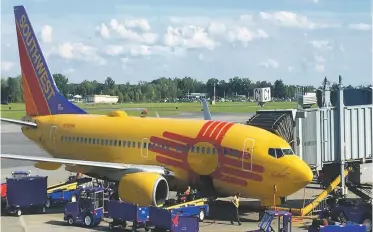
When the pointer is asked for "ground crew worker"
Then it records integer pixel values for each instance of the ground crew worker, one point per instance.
(187, 192)
(236, 204)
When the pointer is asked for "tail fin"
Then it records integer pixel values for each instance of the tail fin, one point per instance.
(206, 111)
(41, 94)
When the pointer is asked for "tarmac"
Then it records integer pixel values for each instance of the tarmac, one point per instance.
(14, 142)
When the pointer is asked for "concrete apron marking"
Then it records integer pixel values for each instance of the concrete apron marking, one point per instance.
(23, 223)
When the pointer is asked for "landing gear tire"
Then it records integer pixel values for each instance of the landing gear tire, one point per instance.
(201, 215)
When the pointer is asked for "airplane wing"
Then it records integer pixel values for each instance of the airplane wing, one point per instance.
(108, 165)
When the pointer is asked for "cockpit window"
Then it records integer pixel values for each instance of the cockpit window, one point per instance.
(279, 152)
(288, 151)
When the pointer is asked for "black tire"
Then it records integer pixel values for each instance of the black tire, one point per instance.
(201, 215)
(48, 203)
(88, 221)
(18, 212)
(70, 220)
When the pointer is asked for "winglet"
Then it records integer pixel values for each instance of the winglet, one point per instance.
(41, 94)
(206, 111)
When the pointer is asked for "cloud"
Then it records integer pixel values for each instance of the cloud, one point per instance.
(321, 44)
(79, 51)
(319, 68)
(360, 26)
(290, 68)
(244, 35)
(188, 36)
(46, 33)
(104, 31)
(291, 19)
(270, 63)
(6, 65)
(142, 24)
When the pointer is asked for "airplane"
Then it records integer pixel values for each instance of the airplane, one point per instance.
(147, 157)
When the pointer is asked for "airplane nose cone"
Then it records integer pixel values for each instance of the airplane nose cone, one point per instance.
(304, 173)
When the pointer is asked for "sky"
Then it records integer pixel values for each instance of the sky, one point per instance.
(298, 41)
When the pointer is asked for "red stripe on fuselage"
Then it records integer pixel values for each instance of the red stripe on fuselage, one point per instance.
(31, 77)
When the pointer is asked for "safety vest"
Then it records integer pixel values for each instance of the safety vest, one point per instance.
(236, 201)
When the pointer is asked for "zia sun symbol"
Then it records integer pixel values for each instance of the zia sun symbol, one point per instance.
(233, 167)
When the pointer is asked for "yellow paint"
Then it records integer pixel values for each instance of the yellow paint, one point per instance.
(47, 166)
(288, 173)
(138, 187)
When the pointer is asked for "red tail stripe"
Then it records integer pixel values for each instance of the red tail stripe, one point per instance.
(29, 73)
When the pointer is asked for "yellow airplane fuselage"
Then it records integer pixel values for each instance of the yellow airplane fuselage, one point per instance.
(235, 156)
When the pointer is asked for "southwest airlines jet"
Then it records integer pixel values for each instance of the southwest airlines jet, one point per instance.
(148, 157)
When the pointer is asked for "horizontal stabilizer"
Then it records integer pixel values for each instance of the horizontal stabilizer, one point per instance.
(19, 122)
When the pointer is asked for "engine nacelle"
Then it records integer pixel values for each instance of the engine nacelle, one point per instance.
(143, 188)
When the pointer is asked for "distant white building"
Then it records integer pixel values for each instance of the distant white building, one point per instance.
(102, 99)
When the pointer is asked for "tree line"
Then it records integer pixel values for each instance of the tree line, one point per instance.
(162, 88)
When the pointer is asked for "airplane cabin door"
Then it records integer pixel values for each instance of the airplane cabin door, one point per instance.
(247, 154)
(144, 148)
(52, 137)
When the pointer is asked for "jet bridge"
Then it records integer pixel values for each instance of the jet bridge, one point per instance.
(279, 122)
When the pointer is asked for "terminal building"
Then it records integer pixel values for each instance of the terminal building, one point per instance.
(96, 99)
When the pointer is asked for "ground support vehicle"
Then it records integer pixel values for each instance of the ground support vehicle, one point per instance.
(284, 221)
(122, 212)
(166, 220)
(348, 227)
(26, 193)
(88, 209)
(192, 208)
(341, 210)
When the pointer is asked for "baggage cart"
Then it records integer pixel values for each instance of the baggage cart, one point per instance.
(122, 212)
(26, 193)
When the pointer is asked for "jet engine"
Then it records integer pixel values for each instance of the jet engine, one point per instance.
(143, 188)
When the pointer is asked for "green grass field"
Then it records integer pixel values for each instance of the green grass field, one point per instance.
(17, 110)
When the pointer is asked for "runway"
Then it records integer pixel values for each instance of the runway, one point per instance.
(14, 142)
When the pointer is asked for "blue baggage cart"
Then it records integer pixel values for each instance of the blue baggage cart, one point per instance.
(339, 228)
(26, 193)
(122, 212)
(165, 220)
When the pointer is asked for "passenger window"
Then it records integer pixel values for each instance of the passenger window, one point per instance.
(213, 151)
(93, 141)
(226, 152)
(124, 143)
(119, 143)
(138, 145)
(102, 141)
(133, 144)
(192, 148)
(197, 149)
(144, 145)
(111, 142)
(115, 142)
(128, 143)
(167, 147)
(106, 142)
(203, 150)
(89, 140)
(208, 150)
